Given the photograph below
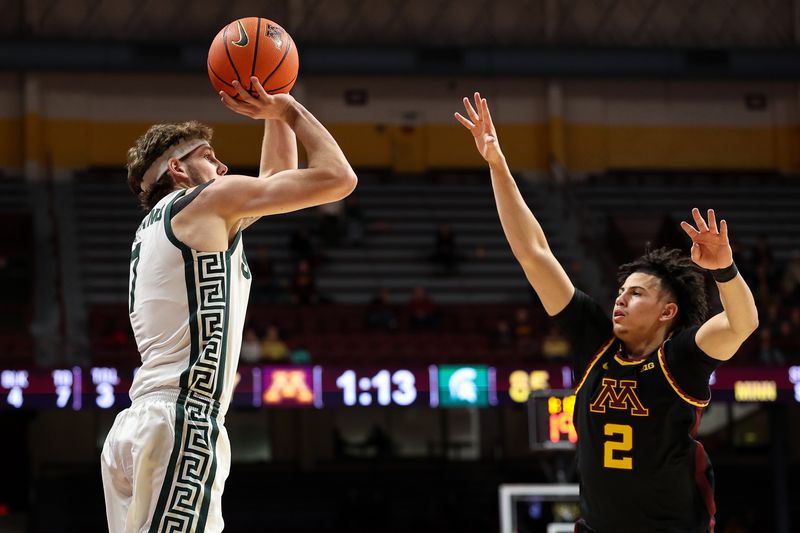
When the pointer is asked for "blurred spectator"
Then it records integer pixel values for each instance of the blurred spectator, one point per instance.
(273, 349)
(15, 276)
(422, 311)
(331, 217)
(523, 330)
(575, 272)
(6, 276)
(794, 319)
(251, 347)
(743, 522)
(117, 336)
(380, 313)
(764, 285)
(378, 443)
(304, 284)
(300, 246)
(114, 340)
(771, 316)
(735, 526)
(793, 352)
(299, 356)
(555, 346)
(354, 222)
(741, 255)
(768, 354)
(265, 287)
(762, 254)
(787, 339)
(790, 284)
(502, 338)
(445, 256)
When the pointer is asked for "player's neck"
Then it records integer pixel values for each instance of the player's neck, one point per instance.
(638, 348)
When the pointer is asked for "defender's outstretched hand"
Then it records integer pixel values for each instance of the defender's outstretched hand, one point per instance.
(480, 125)
(710, 246)
(262, 106)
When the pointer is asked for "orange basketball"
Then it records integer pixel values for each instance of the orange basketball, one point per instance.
(253, 46)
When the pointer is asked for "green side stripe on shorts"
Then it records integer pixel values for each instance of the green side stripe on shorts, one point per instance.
(166, 486)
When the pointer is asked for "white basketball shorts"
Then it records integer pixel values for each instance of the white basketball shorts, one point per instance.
(164, 465)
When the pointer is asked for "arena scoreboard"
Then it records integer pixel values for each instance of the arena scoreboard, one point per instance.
(320, 387)
(550, 419)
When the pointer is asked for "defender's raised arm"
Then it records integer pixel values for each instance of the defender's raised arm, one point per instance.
(723, 334)
(520, 226)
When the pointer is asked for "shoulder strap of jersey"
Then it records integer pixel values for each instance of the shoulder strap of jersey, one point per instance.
(595, 359)
(662, 361)
(179, 204)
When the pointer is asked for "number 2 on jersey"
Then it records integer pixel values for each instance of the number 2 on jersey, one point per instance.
(134, 264)
(624, 445)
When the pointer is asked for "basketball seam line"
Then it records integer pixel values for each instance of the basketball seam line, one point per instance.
(228, 52)
(288, 46)
(285, 85)
(214, 72)
(255, 53)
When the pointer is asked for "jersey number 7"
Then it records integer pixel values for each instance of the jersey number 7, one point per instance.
(134, 264)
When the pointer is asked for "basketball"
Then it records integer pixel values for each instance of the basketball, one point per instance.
(253, 46)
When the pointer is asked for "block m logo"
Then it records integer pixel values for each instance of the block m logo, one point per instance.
(618, 395)
(288, 386)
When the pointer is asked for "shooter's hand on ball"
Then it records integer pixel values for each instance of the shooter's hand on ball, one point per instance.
(262, 106)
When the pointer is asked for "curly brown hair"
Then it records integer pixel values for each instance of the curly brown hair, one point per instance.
(149, 147)
(680, 277)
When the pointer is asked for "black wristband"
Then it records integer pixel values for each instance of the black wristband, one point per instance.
(721, 275)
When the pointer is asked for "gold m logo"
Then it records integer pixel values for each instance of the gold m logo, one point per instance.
(288, 385)
(620, 395)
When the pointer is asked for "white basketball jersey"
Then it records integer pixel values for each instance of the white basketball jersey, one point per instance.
(187, 310)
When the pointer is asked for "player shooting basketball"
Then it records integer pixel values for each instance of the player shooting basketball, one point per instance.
(643, 374)
(166, 458)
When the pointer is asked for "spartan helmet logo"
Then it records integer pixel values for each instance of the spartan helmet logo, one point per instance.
(462, 385)
(275, 33)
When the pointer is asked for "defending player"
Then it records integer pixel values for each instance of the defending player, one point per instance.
(642, 375)
(166, 458)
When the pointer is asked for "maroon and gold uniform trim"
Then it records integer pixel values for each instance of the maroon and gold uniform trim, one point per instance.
(629, 362)
(671, 380)
(593, 362)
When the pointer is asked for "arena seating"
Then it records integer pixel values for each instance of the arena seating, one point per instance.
(753, 204)
(401, 220)
(16, 272)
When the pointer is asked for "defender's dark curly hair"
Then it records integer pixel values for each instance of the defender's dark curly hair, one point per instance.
(680, 277)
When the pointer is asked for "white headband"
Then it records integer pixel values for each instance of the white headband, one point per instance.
(159, 166)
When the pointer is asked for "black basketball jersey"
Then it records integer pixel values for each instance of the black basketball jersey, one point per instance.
(641, 470)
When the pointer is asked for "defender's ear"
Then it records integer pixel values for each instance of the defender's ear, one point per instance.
(669, 312)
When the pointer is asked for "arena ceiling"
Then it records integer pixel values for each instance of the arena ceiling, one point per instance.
(615, 23)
